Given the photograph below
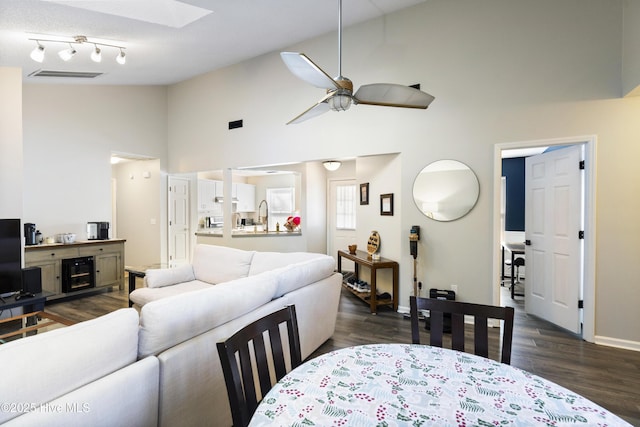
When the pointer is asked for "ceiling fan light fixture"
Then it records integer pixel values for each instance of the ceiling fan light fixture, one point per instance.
(37, 54)
(67, 54)
(341, 101)
(331, 165)
(121, 59)
(96, 54)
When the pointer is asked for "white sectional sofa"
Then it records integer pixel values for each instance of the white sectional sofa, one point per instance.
(87, 374)
(159, 365)
(185, 311)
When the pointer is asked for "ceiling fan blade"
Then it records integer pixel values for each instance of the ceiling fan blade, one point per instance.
(319, 108)
(392, 95)
(304, 68)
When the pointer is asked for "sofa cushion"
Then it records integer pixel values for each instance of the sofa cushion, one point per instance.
(170, 321)
(51, 359)
(217, 264)
(161, 277)
(303, 273)
(142, 296)
(265, 261)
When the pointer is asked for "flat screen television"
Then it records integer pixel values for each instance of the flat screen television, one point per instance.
(10, 257)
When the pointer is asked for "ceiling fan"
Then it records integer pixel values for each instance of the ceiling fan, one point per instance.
(340, 96)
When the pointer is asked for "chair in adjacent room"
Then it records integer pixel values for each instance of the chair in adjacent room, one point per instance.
(517, 263)
(248, 352)
(481, 313)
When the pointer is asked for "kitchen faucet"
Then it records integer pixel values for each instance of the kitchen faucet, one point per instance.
(264, 219)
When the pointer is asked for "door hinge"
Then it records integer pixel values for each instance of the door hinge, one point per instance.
(581, 234)
(581, 164)
(580, 303)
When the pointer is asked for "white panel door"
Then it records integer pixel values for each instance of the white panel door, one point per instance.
(179, 227)
(554, 251)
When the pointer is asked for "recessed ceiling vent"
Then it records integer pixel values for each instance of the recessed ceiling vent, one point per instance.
(68, 74)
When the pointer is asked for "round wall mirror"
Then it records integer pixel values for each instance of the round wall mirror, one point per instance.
(446, 190)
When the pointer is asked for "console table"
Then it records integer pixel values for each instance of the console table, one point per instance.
(361, 258)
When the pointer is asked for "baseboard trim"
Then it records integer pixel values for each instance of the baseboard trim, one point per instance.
(618, 343)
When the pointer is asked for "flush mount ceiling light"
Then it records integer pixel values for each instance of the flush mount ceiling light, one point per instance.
(66, 54)
(331, 165)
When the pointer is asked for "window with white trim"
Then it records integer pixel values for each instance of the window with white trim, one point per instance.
(346, 207)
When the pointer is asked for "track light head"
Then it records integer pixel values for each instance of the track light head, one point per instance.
(37, 54)
(67, 54)
(121, 59)
(96, 55)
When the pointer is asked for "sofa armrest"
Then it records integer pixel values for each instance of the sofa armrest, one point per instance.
(161, 277)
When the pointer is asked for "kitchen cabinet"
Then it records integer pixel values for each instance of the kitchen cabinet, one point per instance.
(246, 196)
(108, 263)
(206, 194)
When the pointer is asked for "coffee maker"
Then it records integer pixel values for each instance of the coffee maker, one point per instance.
(30, 234)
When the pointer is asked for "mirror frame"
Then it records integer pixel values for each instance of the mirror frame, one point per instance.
(454, 192)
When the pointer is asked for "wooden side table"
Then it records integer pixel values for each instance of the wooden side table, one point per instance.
(139, 271)
(361, 258)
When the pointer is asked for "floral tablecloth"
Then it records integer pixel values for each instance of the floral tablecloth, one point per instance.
(419, 385)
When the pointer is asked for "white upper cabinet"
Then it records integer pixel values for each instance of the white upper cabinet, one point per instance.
(246, 195)
(207, 194)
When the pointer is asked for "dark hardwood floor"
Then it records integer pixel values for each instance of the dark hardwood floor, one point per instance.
(605, 375)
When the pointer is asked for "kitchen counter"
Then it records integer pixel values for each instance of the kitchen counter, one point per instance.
(214, 231)
(71, 245)
(244, 232)
(251, 233)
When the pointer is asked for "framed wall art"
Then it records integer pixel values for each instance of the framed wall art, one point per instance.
(364, 194)
(386, 204)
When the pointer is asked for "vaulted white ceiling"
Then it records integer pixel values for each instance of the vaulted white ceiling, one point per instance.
(166, 41)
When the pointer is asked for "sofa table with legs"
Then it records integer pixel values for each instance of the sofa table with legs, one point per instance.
(361, 258)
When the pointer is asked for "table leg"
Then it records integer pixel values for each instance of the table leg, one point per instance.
(373, 304)
(513, 282)
(395, 288)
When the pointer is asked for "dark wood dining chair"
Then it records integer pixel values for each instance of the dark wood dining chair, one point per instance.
(481, 313)
(247, 352)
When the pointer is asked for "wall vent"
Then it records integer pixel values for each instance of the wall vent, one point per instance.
(67, 74)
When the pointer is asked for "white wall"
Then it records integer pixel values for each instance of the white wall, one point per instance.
(69, 135)
(138, 201)
(501, 71)
(11, 164)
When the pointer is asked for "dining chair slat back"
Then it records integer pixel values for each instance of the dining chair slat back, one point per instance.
(268, 361)
(458, 310)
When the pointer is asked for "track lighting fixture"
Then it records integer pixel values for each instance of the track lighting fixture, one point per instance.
(66, 54)
(37, 54)
(120, 59)
(96, 55)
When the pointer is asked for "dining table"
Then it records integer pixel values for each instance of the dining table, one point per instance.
(421, 385)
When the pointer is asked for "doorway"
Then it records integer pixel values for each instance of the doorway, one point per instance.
(588, 264)
(179, 221)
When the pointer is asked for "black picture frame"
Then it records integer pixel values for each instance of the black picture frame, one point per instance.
(386, 204)
(364, 193)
